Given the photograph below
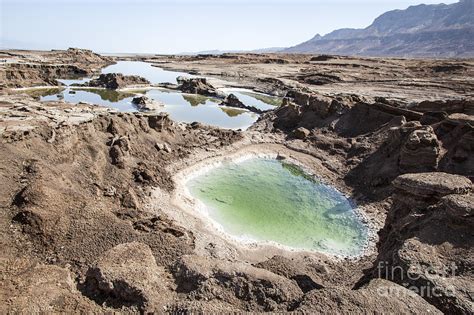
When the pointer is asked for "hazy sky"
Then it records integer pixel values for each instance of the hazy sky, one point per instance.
(181, 25)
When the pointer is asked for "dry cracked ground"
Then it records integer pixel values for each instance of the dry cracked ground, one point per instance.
(83, 228)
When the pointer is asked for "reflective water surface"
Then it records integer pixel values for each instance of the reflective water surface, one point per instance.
(181, 107)
(146, 70)
(266, 200)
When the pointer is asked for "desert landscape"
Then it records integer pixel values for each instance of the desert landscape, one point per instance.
(93, 217)
(331, 176)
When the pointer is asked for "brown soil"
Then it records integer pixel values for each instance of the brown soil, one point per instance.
(86, 192)
(25, 68)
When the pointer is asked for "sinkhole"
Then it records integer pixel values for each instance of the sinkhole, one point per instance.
(269, 201)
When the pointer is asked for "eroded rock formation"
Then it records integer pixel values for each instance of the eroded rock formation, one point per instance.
(144, 103)
(116, 81)
(46, 68)
(426, 243)
(233, 101)
(197, 86)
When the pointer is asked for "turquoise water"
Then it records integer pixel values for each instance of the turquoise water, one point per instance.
(269, 200)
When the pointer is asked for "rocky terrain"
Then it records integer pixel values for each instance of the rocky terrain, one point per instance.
(405, 81)
(197, 86)
(26, 68)
(437, 30)
(233, 101)
(114, 81)
(86, 191)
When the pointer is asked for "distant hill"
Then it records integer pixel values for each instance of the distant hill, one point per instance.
(220, 52)
(420, 31)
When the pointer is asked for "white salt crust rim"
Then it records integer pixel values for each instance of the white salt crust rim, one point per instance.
(198, 209)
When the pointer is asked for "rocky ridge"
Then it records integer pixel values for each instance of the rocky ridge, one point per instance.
(437, 30)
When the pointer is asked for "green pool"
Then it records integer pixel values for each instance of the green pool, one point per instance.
(267, 200)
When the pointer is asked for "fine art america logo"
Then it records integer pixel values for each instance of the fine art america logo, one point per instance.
(420, 279)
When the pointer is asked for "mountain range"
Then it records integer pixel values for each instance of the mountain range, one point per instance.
(438, 30)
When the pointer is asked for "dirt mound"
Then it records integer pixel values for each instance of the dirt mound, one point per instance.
(379, 296)
(237, 283)
(98, 174)
(127, 275)
(35, 287)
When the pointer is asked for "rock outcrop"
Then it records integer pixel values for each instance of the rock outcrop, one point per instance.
(116, 81)
(144, 103)
(82, 56)
(309, 110)
(420, 151)
(29, 74)
(233, 101)
(197, 86)
(457, 134)
(432, 184)
(69, 64)
(448, 106)
(461, 206)
(307, 278)
(301, 133)
(426, 244)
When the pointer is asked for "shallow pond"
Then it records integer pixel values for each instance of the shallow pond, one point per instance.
(257, 100)
(189, 108)
(181, 107)
(146, 70)
(265, 200)
(110, 98)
